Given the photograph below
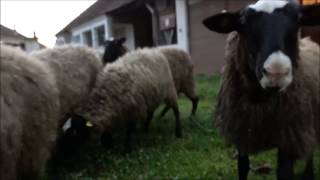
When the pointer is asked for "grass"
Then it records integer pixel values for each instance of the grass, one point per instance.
(200, 154)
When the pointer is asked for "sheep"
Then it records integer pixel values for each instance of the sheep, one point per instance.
(76, 69)
(182, 71)
(113, 50)
(29, 112)
(71, 87)
(269, 96)
(180, 64)
(128, 90)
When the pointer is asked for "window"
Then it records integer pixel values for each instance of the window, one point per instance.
(76, 39)
(87, 38)
(307, 2)
(100, 35)
(168, 31)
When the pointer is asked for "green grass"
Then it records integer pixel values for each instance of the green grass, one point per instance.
(200, 154)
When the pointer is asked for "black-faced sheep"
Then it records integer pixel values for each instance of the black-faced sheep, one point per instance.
(129, 90)
(49, 75)
(269, 97)
(76, 69)
(29, 112)
(182, 71)
(180, 64)
(113, 50)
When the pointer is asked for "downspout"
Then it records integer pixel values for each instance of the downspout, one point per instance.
(155, 24)
(182, 17)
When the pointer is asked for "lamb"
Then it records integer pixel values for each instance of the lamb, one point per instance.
(76, 69)
(180, 64)
(129, 90)
(269, 97)
(29, 112)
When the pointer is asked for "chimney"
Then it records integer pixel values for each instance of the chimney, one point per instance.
(34, 36)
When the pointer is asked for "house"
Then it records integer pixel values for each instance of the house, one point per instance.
(13, 38)
(313, 32)
(155, 23)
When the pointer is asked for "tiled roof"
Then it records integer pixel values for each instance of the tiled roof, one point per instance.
(6, 32)
(98, 8)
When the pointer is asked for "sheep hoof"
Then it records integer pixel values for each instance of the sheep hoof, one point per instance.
(263, 169)
(146, 130)
(106, 140)
(178, 134)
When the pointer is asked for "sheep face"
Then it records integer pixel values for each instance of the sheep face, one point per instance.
(113, 50)
(76, 131)
(269, 30)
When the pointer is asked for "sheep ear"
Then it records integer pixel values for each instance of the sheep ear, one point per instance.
(122, 40)
(67, 125)
(89, 124)
(224, 22)
(310, 15)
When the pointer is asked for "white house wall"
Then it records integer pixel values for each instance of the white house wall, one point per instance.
(129, 34)
(182, 24)
(104, 20)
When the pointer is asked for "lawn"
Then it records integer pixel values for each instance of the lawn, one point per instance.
(200, 154)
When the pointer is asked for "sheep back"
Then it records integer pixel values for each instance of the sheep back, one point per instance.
(76, 69)
(29, 109)
(182, 70)
(254, 120)
(129, 88)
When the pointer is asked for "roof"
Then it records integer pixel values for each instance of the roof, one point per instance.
(6, 32)
(9, 33)
(98, 8)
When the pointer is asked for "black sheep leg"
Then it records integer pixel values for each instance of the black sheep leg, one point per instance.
(106, 140)
(131, 127)
(164, 111)
(243, 166)
(308, 173)
(195, 101)
(178, 123)
(147, 123)
(285, 166)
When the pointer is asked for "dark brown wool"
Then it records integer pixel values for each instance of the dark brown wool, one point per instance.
(254, 120)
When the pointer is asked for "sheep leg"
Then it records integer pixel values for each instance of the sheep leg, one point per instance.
(243, 166)
(285, 166)
(178, 123)
(147, 123)
(164, 111)
(308, 173)
(106, 140)
(195, 101)
(131, 127)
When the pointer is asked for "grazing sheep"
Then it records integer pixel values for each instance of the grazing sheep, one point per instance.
(129, 90)
(29, 112)
(48, 73)
(182, 71)
(269, 97)
(76, 69)
(180, 64)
